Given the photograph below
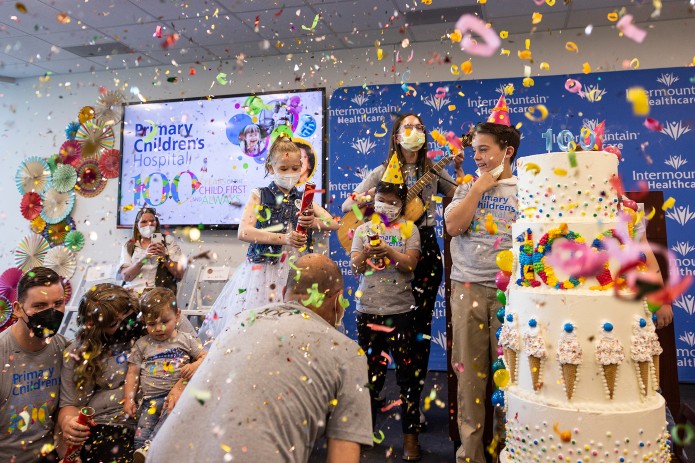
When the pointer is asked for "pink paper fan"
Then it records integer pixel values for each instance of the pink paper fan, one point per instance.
(9, 281)
(70, 153)
(110, 163)
(67, 289)
(31, 205)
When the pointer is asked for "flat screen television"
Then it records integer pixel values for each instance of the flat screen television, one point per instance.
(196, 160)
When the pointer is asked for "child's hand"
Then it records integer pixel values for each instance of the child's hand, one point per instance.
(294, 239)
(306, 218)
(363, 198)
(485, 182)
(188, 370)
(664, 316)
(378, 251)
(130, 408)
(458, 160)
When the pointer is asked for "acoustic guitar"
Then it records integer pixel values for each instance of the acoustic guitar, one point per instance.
(414, 207)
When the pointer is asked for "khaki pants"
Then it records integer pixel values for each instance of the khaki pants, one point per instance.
(473, 347)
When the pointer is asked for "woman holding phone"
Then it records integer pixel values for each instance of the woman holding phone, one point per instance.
(148, 258)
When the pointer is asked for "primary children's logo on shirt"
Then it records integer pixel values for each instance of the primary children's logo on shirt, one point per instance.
(166, 362)
(28, 387)
(33, 380)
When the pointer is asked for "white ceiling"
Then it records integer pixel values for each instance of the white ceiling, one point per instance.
(31, 43)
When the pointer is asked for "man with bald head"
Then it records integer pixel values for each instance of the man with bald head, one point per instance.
(276, 379)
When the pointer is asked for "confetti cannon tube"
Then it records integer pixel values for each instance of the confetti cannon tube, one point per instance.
(72, 454)
(307, 200)
(373, 241)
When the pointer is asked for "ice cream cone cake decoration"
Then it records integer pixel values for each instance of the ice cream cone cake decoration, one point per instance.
(641, 353)
(609, 354)
(510, 343)
(393, 173)
(535, 348)
(500, 113)
(569, 356)
(655, 351)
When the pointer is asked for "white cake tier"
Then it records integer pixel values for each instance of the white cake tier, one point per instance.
(587, 311)
(540, 433)
(589, 231)
(551, 190)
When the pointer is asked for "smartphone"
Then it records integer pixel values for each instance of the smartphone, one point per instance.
(157, 238)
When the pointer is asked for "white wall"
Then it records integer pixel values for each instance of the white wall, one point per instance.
(33, 115)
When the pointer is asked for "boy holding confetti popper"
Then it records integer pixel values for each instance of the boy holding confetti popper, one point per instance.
(384, 253)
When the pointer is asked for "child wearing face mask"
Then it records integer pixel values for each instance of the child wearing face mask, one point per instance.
(386, 307)
(268, 224)
(479, 219)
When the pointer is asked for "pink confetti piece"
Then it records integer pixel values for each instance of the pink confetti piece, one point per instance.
(468, 24)
(629, 30)
(395, 403)
(158, 32)
(375, 327)
(653, 124)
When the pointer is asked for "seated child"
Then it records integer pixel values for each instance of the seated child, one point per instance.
(160, 361)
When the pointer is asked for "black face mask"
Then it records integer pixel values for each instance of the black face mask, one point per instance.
(129, 328)
(45, 324)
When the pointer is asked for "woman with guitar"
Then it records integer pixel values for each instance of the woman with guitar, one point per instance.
(408, 139)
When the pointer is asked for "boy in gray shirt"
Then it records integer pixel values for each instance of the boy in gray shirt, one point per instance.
(156, 363)
(479, 219)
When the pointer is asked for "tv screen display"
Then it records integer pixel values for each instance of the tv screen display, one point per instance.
(196, 160)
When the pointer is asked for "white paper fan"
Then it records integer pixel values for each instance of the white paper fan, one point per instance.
(61, 261)
(33, 174)
(56, 205)
(31, 252)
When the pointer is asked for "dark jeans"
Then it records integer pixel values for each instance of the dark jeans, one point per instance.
(108, 444)
(149, 423)
(406, 352)
(428, 277)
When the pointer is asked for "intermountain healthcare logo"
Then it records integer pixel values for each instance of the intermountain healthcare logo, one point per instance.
(434, 102)
(363, 145)
(440, 339)
(685, 355)
(665, 180)
(686, 302)
(680, 214)
(675, 129)
(667, 79)
(376, 113)
(359, 99)
(685, 264)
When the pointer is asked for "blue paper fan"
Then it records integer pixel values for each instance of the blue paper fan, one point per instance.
(57, 205)
(33, 174)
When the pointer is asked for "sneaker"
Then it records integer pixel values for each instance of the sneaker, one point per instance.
(140, 455)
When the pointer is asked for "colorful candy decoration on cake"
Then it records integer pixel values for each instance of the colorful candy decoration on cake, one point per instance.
(569, 356)
(535, 349)
(604, 277)
(510, 342)
(609, 354)
(543, 269)
(528, 277)
(641, 353)
(655, 350)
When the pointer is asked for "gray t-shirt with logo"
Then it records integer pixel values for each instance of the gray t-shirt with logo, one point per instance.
(160, 362)
(275, 380)
(387, 291)
(106, 397)
(473, 252)
(442, 185)
(29, 388)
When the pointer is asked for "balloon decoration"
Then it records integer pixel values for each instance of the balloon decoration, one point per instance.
(498, 398)
(501, 378)
(505, 260)
(85, 114)
(502, 280)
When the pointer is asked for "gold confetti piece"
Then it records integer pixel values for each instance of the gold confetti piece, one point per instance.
(358, 294)
(506, 52)
(528, 82)
(226, 448)
(586, 68)
(452, 107)
(455, 70)
(524, 54)
(612, 16)
(63, 18)
(531, 113)
(560, 172)
(532, 167)
(20, 7)
(544, 66)
(536, 18)
(571, 46)
(668, 204)
(437, 199)
(379, 54)
(455, 36)
(333, 403)
(651, 214)
(550, 2)
(504, 34)
(467, 67)
(640, 101)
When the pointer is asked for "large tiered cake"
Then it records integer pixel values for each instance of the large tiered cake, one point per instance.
(583, 362)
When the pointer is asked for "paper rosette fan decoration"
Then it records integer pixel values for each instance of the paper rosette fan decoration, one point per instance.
(70, 152)
(9, 281)
(61, 261)
(56, 233)
(67, 289)
(94, 136)
(74, 241)
(31, 205)
(64, 178)
(57, 205)
(71, 130)
(89, 179)
(5, 310)
(37, 225)
(109, 107)
(110, 163)
(30, 252)
(33, 175)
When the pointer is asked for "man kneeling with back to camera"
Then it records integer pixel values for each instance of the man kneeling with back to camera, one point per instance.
(276, 380)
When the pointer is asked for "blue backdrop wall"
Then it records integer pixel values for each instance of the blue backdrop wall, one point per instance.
(360, 116)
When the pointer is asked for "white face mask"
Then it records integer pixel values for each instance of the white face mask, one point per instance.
(147, 231)
(391, 211)
(413, 140)
(287, 181)
(496, 172)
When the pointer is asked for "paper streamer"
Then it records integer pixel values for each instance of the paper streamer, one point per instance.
(491, 41)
